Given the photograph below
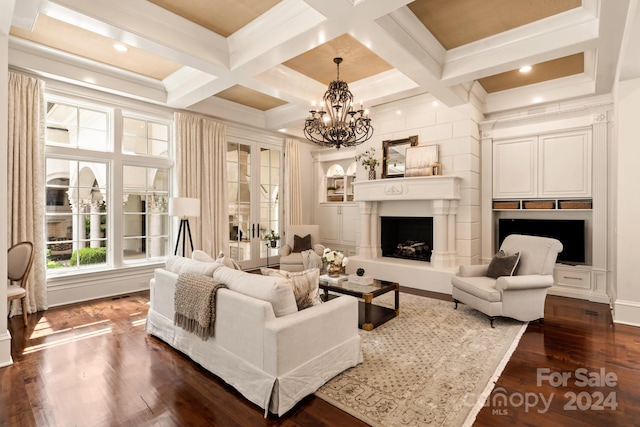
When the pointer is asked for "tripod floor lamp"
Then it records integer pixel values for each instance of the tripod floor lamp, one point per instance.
(184, 207)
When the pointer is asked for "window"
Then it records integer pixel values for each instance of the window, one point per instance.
(76, 212)
(144, 220)
(106, 191)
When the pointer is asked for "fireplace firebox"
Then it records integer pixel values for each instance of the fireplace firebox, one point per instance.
(406, 237)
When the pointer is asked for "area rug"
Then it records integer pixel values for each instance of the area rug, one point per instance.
(431, 366)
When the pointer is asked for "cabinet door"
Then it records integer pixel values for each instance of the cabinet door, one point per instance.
(329, 221)
(514, 168)
(348, 217)
(565, 165)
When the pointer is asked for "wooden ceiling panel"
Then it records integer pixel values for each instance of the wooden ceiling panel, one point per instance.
(250, 98)
(549, 70)
(459, 22)
(221, 17)
(78, 41)
(358, 61)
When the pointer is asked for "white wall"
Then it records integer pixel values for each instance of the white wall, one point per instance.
(627, 228)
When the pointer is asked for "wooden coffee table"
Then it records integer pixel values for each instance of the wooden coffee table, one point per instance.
(369, 315)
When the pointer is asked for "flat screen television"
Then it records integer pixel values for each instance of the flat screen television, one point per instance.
(570, 232)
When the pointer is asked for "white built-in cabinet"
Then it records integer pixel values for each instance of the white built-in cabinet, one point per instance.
(338, 226)
(552, 165)
(337, 213)
(546, 166)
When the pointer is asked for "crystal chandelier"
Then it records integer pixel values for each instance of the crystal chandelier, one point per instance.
(336, 123)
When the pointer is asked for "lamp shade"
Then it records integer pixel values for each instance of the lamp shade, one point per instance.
(184, 206)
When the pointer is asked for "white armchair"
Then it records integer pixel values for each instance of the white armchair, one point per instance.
(520, 296)
(290, 260)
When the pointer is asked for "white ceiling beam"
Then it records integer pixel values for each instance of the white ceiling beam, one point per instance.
(536, 95)
(24, 14)
(511, 50)
(144, 25)
(51, 63)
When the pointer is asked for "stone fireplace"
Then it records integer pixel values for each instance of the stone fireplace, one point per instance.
(431, 196)
(414, 198)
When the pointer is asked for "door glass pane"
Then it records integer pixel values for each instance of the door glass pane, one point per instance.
(239, 197)
(269, 199)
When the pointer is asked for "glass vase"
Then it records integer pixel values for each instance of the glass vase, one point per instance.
(334, 270)
(372, 174)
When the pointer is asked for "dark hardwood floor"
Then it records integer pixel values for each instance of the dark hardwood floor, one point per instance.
(93, 364)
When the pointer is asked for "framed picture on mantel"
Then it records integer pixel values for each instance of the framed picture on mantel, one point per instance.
(420, 160)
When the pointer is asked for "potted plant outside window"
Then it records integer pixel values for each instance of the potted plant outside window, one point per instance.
(273, 238)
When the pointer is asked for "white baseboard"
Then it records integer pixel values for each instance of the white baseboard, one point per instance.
(5, 350)
(579, 294)
(626, 312)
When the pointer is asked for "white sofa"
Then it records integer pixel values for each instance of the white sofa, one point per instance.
(273, 361)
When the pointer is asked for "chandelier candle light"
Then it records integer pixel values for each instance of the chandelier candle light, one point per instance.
(336, 123)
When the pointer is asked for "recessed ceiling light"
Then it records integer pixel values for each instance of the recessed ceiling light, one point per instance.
(120, 47)
(525, 68)
(537, 99)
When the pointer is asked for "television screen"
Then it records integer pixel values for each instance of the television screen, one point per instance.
(570, 232)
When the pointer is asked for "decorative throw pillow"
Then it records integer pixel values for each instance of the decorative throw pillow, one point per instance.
(301, 244)
(303, 283)
(503, 264)
(227, 261)
(199, 255)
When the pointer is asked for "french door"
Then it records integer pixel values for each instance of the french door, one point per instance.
(254, 174)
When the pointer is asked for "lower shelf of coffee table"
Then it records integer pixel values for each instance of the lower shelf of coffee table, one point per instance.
(379, 314)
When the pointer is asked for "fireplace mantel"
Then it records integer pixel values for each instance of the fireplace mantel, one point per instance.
(413, 188)
(442, 193)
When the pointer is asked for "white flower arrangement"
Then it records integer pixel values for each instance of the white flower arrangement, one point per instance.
(330, 256)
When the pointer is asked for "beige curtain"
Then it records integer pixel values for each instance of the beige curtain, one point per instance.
(293, 188)
(201, 147)
(25, 181)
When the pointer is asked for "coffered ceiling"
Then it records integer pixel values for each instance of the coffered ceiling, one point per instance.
(263, 62)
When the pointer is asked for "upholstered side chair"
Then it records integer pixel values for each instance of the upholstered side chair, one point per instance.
(19, 260)
(520, 296)
(290, 253)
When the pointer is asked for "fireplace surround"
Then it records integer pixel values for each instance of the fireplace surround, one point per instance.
(432, 196)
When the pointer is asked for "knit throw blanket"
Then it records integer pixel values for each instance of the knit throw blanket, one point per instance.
(195, 304)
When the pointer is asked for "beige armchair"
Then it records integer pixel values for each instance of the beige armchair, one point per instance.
(290, 256)
(520, 296)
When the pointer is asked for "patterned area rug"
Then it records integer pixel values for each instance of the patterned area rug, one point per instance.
(431, 366)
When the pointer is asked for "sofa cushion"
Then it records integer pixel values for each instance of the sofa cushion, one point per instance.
(301, 244)
(481, 286)
(292, 258)
(303, 283)
(275, 290)
(503, 264)
(178, 264)
(227, 261)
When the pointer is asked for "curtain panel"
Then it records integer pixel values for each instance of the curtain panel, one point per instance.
(26, 181)
(201, 170)
(292, 185)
